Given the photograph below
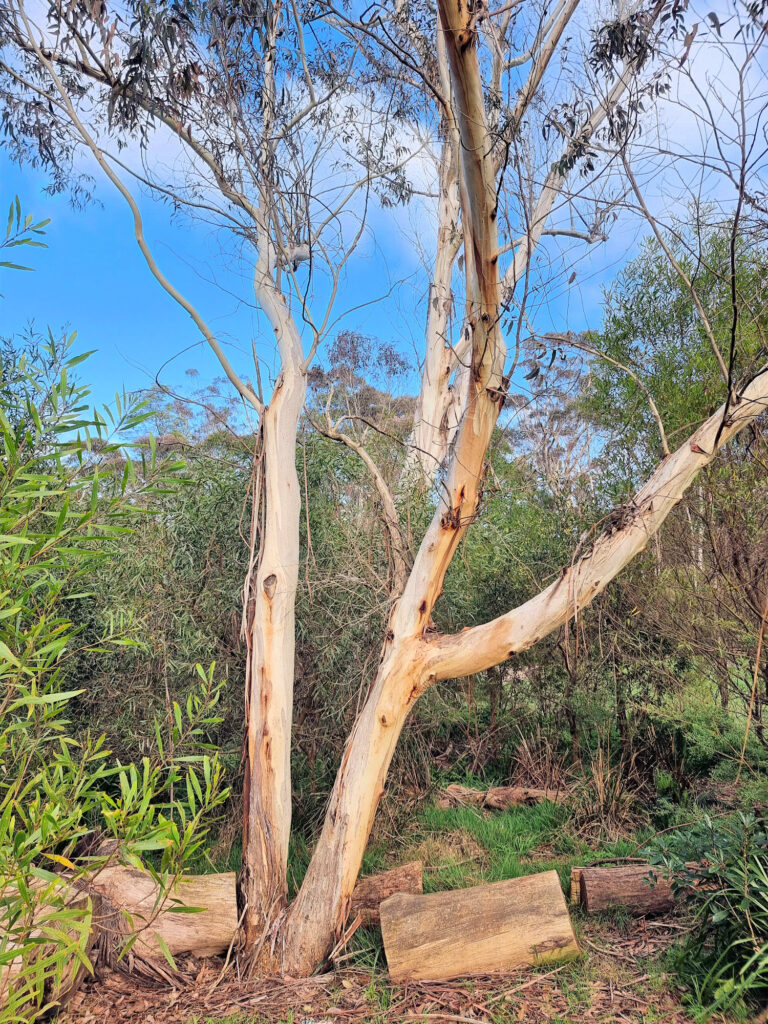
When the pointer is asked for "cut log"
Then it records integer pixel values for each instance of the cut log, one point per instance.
(499, 798)
(475, 931)
(61, 981)
(460, 796)
(371, 891)
(125, 900)
(211, 931)
(576, 885)
(627, 886)
(207, 932)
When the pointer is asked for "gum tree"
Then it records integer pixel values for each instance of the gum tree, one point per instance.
(266, 100)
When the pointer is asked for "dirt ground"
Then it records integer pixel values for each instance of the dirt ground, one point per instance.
(619, 980)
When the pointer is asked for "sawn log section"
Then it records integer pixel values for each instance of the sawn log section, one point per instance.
(126, 900)
(211, 931)
(603, 888)
(479, 930)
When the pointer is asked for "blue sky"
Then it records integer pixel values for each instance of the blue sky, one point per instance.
(93, 279)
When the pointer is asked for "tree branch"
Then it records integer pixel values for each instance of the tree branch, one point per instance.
(399, 548)
(571, 339)
(245, 392)
(482, 647)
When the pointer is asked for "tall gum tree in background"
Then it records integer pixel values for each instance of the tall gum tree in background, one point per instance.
(268, 100)
(260, 116)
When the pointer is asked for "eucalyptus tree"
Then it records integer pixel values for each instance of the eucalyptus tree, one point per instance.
(555, 91)
(265, 110)
(413, 657)
(266, 99)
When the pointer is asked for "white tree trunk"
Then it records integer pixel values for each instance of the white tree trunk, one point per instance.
(269, 626)
(412, 660)
(414, 663)
(319, 910)
(481, 647)
(270, 638)
(438, 411)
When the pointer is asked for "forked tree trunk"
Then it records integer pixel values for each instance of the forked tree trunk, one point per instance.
(411, 659)
(319, 910)
(411, 666)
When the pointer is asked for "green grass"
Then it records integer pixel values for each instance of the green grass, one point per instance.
(511, 844)
(504, 844)
(461, 847)
(501, 845)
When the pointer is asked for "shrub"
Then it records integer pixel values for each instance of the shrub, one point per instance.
(67, 484)
(720, 870)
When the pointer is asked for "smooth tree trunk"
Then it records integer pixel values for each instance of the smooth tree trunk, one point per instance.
(438, 406)
(482, 647)
(269, 628)
(319, 911)
(412, 659)
(317, 916)
(411, 666)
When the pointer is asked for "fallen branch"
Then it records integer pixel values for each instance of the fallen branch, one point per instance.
(498, 798)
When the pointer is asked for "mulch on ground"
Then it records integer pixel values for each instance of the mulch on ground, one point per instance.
(615, 988)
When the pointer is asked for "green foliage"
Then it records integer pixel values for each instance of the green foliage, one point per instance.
(720, 869)
(21, 230)
(67, 488)
(652, 325)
